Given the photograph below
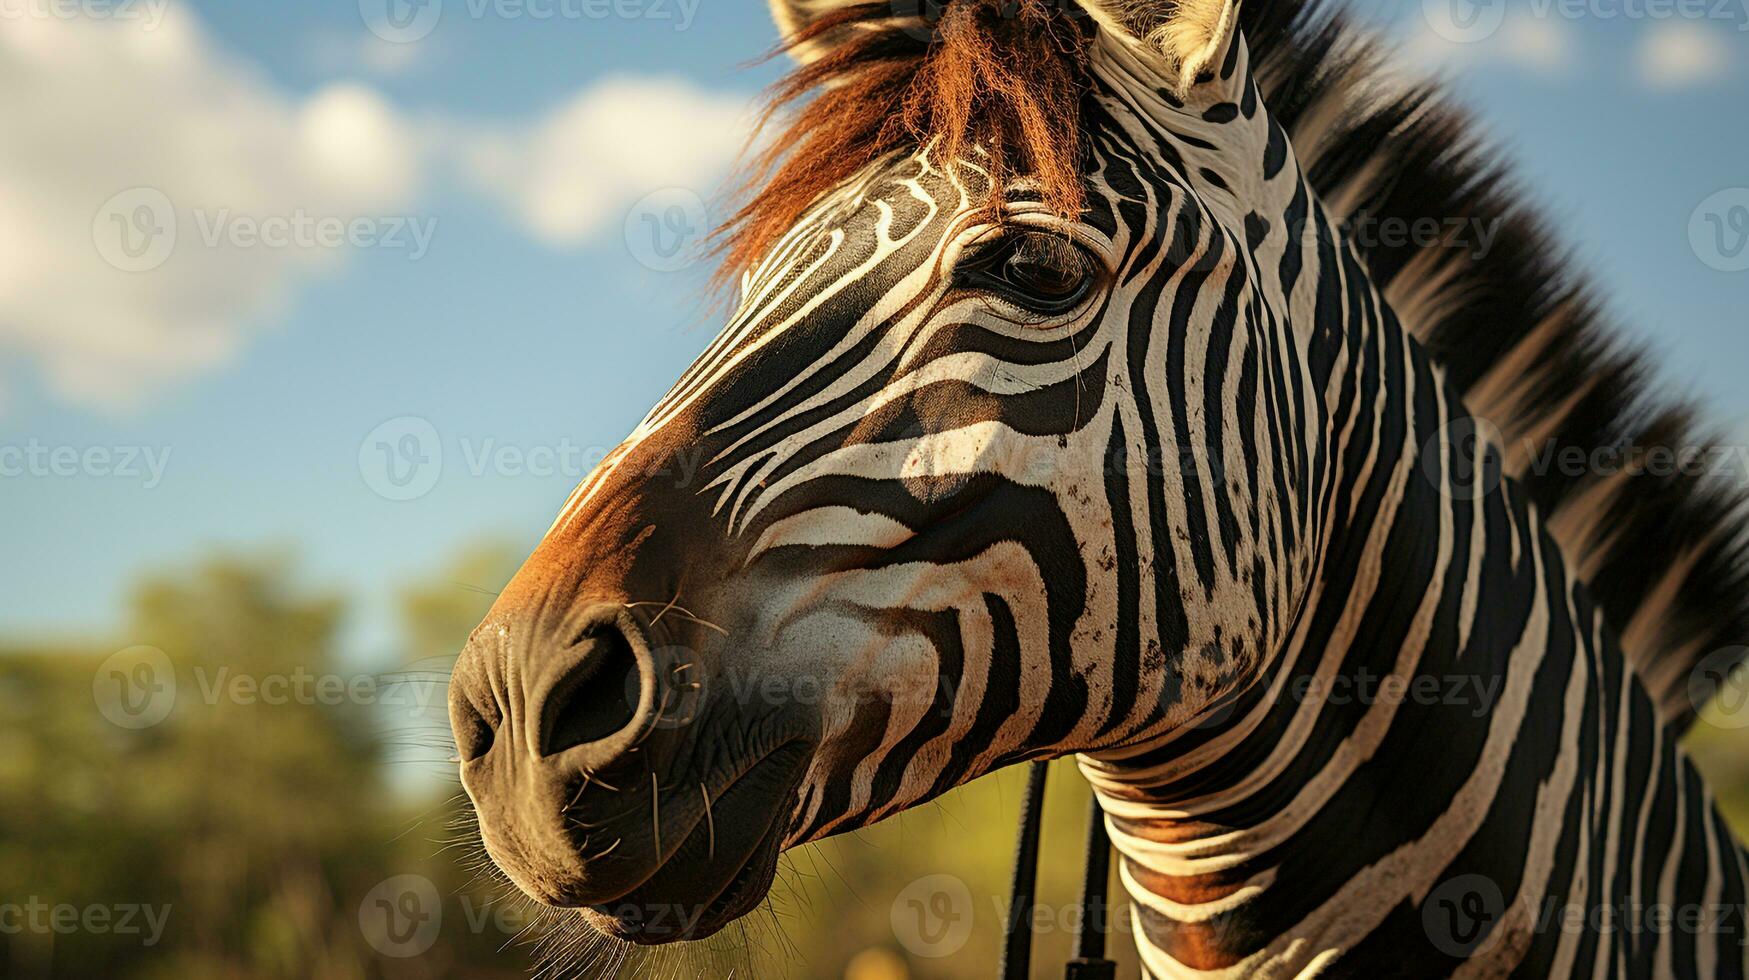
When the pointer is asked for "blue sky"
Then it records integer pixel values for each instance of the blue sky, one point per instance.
(541, 319)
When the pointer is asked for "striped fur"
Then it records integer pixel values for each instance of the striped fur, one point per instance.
(1227, 531)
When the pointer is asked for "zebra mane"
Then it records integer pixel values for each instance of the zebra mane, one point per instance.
(1525, 340)
(1514, 327)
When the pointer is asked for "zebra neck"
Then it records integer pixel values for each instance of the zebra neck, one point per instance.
(1450, 715)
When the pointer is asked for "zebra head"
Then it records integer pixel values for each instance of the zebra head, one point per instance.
(1009, 450)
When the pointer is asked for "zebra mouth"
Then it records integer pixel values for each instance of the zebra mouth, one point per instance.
(721, 871)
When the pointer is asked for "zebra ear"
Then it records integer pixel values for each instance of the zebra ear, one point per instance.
(1192, 35)
(795, 16)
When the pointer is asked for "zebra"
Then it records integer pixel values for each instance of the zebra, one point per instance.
(1067, 408)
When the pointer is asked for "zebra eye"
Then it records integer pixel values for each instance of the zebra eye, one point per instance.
(1042, 272)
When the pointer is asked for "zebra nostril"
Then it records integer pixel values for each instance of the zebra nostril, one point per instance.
(597, 699)
(473, 736)
(473, 705)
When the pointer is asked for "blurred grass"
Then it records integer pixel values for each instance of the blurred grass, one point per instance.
(259, 831)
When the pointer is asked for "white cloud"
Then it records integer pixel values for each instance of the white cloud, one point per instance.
(1522, 40)
(131, 157)
(1682, 54)
(94, 108)
(573, 174)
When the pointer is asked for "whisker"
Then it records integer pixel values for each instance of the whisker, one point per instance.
(578, 795)
(661, 710)
(473, 588)
(665, 609)
(656, 812)
(681, 611)
(587, 775)
(705, 623)
(710, 822)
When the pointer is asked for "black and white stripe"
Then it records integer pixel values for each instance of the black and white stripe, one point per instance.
(1184, 531)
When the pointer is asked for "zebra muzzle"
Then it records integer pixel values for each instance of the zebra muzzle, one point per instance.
(594, 792)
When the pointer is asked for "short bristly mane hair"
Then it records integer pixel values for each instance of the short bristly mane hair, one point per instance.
(1004, 76)
(1514, 328)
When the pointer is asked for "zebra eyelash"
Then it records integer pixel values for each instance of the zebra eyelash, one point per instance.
(1007, 267)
